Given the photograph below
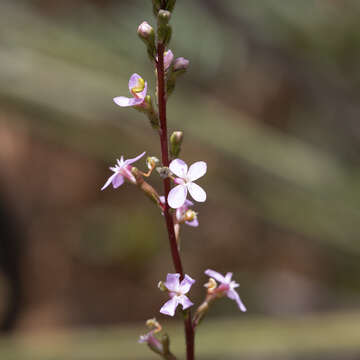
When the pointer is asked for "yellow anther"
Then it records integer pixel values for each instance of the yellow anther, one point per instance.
(153, 324)
(190, 215)
(140, 86)
(211, 285)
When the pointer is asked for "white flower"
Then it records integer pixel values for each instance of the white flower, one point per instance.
(186, 178)
(227, 286)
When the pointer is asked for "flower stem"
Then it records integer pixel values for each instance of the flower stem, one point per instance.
(189, 330)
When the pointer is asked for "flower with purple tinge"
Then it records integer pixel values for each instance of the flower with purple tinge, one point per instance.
(168, 59)
(177, 291)
(227, 286)
(181, 214)
(152, 341)
(138, 88)
(185, 181)
(122, 171)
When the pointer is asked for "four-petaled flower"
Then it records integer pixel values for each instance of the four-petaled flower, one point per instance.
(227, 286)
(186, 178)
(122, 171)
(138, 88)
(177, 291)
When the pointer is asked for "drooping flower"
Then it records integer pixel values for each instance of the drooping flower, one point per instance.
(178, 194)
(122, 171)
(177, 291)
(227, 287)
(183, 213)
(168, 59)
(138, 88)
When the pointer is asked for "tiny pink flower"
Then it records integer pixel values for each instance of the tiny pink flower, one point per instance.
(186, 178)
(122, 171)
(181, 214)
(151, 340)
(138, 88)
(168, 59)
(177, 291)
(227, 286)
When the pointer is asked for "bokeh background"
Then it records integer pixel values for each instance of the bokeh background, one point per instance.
(271, 102)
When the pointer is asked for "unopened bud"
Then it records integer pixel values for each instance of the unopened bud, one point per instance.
(147, 34)
(176, 140)
(162, 286)
(151, 162)
(145, 30)
(181, 64)
(163, 171)
(170, 5)
(164, 29)
(164, 17)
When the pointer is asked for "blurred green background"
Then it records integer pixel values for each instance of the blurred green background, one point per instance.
(270, 102)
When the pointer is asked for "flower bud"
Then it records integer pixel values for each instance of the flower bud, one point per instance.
(151, 162)
(164, 29)
(145, 30)
(162, 286)
(164, 17)
(147, 34)
(176, 139)
(181, 64)
(163, 171)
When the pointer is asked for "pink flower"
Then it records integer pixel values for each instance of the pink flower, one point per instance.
(122, 171)
(178, 194)
(168, 59)
(138, 88)
(152, 341)
(177, 291)
(227, 286)
(182, 213)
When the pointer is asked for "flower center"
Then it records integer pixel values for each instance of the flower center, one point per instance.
(140, 86)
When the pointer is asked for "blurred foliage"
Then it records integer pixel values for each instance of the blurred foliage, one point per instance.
(327, 336)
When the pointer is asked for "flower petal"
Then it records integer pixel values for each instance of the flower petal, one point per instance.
(177, 196)
(185, 302)
(108, 181)
(117, 181)
(228, 277)
(172, 282)
(186, 284)
(168, 58)
(197, 170)
(197, 192)
(125, 101)
(217, 276)
(141, 95)
(170, 306)
(130, 161)
(134, 81)
(179, 168)
(193, 223)
(233, 295)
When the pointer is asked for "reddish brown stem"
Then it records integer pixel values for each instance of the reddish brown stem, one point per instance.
(189, 330)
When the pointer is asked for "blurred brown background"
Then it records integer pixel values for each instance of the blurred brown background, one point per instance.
(271, 102)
